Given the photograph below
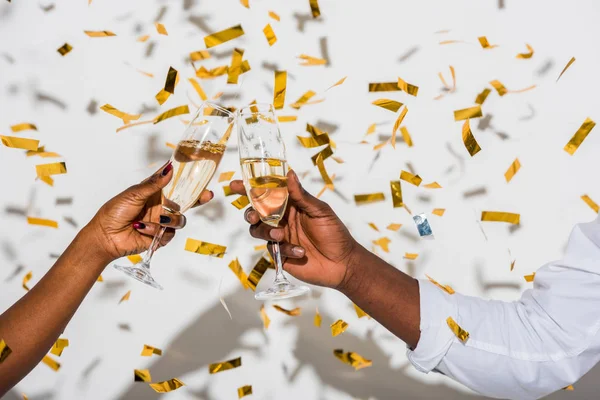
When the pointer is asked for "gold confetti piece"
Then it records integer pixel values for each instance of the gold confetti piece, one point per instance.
(100, 278)
(226, 176)
(169, 87)
(225, 365)
(394, 227)
(160, 28)
(55, 365)
(235, 69)
(460, 333)
(96, 34)
(142, 375)
(245, 3)
(237, 269)
(384, 243)
(4, 351)
(317, 320)
(512, 264)
(41, 152)
(241, 202)
(261, 247)
(26, 279)
(361, 199)
(205, 248)
(269, 34)
(181, 110)
(135, 258)
(274, 15)
(302, 100)
(571, 61)
(359, 311)
(445, 288)
(167, 386)
(125, 297)
(406, 136)
(338, 327)
(64, 49)
(23, 127)
(397, 125)
(432, 185)
(143, 38)
(439, 211)
(512, 170)
(338, 83)
(480, 99)
(47, 180)
(198, 89)
(388, 104)
(148, 350)
(407, 87)
(410, 178)
(371, 129)
(199, 55)
(292, 313)
(280, 89)
(451, 41)
(529, 54)
(384, 86)
(309, 60)
(469, 140)
(325, 154)
(500, 88)
(590, 203)
(227, 191)
(24, 396)
(499, 216)
(372, 225)
(127, 118)
(485, 44)
(396, 190)
(324, 175)
(204, 73)
(148, 74)
(568, 388)
(264, 317)
(529, 278)
(579, 136)
(287, 118)
(20, 143)
(411, 256)
(353, 359)
(42, 222)
(314, 8)
(467, 113)
(257, 272)
(223, 36)
(244, 391)
(59, 346)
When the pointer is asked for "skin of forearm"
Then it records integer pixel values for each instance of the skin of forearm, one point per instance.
(32, 325)
(385, 293)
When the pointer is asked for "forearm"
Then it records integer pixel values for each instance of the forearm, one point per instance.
(32, 325)
(385, 293)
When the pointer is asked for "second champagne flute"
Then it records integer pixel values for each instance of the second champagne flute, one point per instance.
(264, 169)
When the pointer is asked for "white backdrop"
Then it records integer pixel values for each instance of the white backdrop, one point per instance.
(370, 41)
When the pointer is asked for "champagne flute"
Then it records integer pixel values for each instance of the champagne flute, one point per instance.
(264, 169)
(195, 161)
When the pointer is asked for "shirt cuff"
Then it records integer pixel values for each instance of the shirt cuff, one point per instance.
(436, 336)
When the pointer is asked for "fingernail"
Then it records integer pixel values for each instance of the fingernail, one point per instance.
(139, 225)
(298, 251)
(275, 235)
(167, 169)
(164, 219)
(212, 194)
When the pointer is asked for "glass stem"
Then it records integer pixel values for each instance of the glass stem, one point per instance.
(279, 276)
(153, 247)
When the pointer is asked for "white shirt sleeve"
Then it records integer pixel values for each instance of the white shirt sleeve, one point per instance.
(525, 349)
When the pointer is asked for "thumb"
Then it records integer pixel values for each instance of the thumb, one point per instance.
(304, 200)
(153, 184)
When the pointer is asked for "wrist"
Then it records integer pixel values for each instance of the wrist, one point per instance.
(90, 239)
(355, 269)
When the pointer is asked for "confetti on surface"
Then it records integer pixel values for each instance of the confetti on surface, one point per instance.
(529, 278)
(460, 333)
(292, 313)
(226, 176)
(411, 256)
(571, 61)
(64, 49)
(480, 99)
(20, 143)
(439, 211)
(499, 216)
(125, 297)
(384, 243)
(361, 199)
(359, 311)
(512, 170)
(384, 87)
(4, 351)
(167, 386)
(25, 126)
(391, 105)
(127, 118)
(593, 205)
(173, 112)
(142, 375)
(270, 35)
(309, 60)
(397, 125)
(410, 178)
(244, 391)
(280, 89)
(569, 388)
(169, 87)
(96, 34)
(238, 271)
(353, 359)
(199, 55)
(433, 185)
(407, 87)
(303, 99)
(529, 53)
(160, 28)
(422, 225)
(394, 227)
(396, 190)
(314, 8)
(223, 36)
(135, 258)
(55, 365)
(241, 202)
(406, 136)
(317, 320)
(338, 327)
(469, 140)
(485, 44)
(445, 288)
(257, 272)
(100, 278)
(264, 317)
(59, 346)
(224, 365)
(579, 136)
(205, 248)
(148, 350)
(338, 83)
(274, 15)
(467, 113)
(26, 279)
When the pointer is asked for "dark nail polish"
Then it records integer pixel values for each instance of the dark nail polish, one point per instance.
(139, 225)
(167, 169)
(164, 219)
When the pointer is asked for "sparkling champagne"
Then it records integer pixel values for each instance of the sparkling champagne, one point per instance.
(266, 184)
(194, 164)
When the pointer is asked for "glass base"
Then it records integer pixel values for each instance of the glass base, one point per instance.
(282, 290)
(140, 272)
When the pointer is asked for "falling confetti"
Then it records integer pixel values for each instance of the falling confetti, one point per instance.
(160, 28)
(25, 126)
(64, 49)
(512, 170)
(59, 346)
(467, 113)
(223, 36)
(314, 8)
(241, 202)
(169, 88)
(579, 136)
(127, 118)
(244, 391)
(269, 34)
(4, 351)
(411, 256)
(20, 143)
(593, 205)
(224, 365)
(499, 216)
(445, 288)
(280, 89)
(529, 53)
(148, 350)
(317, 320)
(529, 278)
(571, 61)
(205, 248)
(274, 15)
(292, 313)
(338, 83)
(264, 317)
(391, 105)
(353, 359)
(422, 225)
(167, 386)
(97, 34)
(361, 199)
(125, 297)
(480, 99)
(410, 178)
(485, 44)
(55, 365)
(338, 327)
(309, 60)
(438, 211)
(26, 279)
(407, 87)
(142, 375)
(469, 140)
(460, 333)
